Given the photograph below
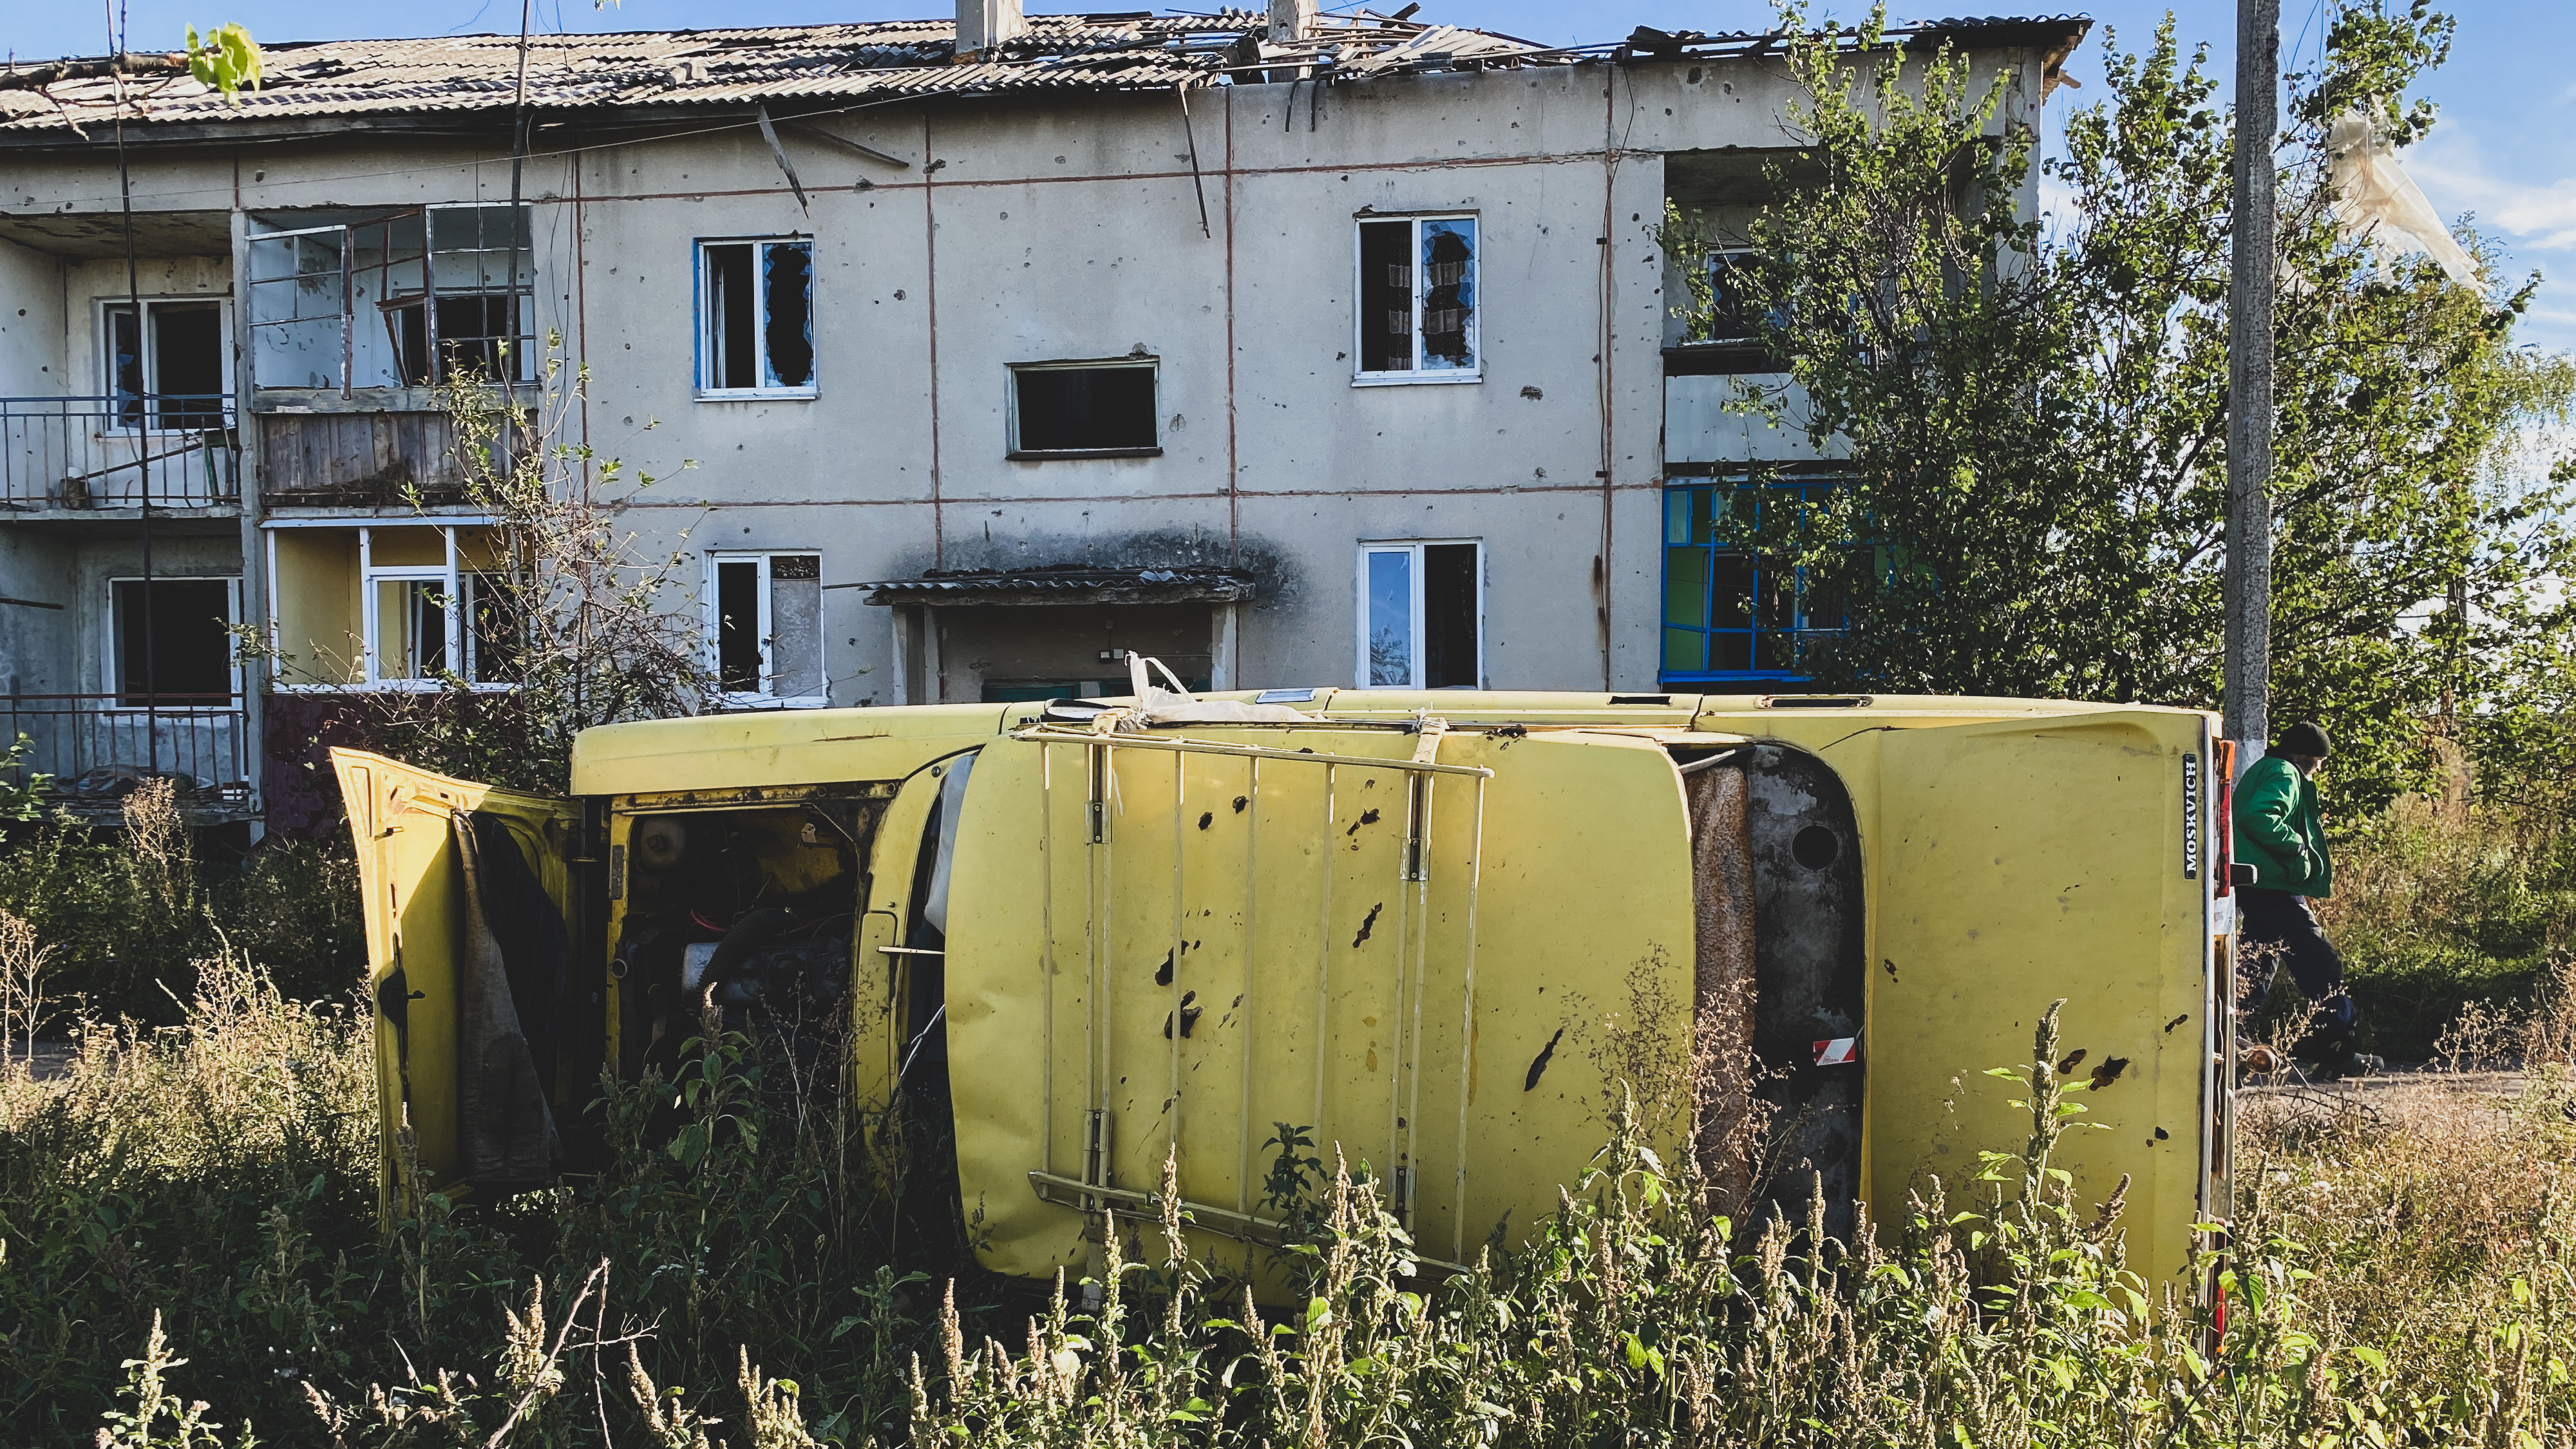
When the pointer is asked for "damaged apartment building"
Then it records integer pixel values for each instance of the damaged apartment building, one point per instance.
(970, 353)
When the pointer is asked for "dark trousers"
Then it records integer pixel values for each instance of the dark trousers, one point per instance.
(2276, 929)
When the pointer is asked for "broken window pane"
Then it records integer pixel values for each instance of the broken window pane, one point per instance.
(494, 651)
(448, 285)
(756, 333)
(787, 321)
(1386, 296)
(1421, 619)
(738, 625)
(768, 628)
(1417, 296)
(173, 377)
(1058, 409)
(177, 652)
(796, 625)
(733, 356)
(1448, 294)
(1449, 616)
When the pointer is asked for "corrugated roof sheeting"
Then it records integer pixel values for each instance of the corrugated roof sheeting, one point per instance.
(704, 67)
(854, 63)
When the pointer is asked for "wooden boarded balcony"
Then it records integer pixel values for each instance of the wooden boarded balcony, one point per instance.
(367, 459)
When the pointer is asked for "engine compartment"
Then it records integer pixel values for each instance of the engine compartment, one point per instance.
(739, 918)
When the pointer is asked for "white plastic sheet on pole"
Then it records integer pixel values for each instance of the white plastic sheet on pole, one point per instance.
(2375, 200)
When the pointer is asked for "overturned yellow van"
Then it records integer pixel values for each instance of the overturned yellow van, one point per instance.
(1445, 932)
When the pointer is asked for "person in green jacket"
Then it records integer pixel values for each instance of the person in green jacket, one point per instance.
(2279, 832)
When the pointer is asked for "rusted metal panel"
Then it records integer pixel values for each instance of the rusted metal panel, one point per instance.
(1727, 1143)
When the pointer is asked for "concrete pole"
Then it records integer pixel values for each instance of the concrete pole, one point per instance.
(2249, 384)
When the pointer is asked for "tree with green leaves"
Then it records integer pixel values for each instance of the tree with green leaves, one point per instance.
(2031, 408)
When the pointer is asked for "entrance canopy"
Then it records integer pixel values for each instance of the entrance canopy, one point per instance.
(1064, 584)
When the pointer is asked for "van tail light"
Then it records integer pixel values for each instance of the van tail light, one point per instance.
(2223, 757)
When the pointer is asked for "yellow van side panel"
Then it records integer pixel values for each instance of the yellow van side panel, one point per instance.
(1267, 913)
(2015, 864)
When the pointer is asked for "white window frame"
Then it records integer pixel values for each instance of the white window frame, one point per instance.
(1414, 547)
(712, 602)
(448, 574)
(702, 295)
(104, 332)
(1416, 375)
(107, 645)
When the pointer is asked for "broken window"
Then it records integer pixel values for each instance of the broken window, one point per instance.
(168, 372)
(1417, 299)
(756, 318)
(406, 299)
(765, 623)
(1421, 615)
(1076, 408)
(1736, 604)
(170, 643)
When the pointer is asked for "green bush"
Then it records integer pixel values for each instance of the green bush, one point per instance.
(127, 910)
(2437, 910)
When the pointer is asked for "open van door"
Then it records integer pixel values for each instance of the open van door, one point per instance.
(469, 964)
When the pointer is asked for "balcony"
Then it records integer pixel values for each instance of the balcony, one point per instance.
(99, 747)
(71, 456)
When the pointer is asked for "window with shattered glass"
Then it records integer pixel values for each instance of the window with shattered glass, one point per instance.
(765, 628)
(1417, 300)
(411, 298)
(756, 318)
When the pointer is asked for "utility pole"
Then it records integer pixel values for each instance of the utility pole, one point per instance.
(2249, 384)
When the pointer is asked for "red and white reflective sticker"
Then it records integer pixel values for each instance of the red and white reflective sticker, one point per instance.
(1838, 1052)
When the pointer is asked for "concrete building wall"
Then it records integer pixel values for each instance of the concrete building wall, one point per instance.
(32, 322)
(1090, 226)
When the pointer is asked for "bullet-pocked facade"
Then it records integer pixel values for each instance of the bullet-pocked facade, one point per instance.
(1289, 350)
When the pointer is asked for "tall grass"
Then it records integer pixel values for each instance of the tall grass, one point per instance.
(2397, 1277)
(124, 913)
(2439, 907)
(190, 1253)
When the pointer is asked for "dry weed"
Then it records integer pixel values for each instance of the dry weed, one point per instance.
(22, 987)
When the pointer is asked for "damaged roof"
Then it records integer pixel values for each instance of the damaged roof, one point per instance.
(808, 68)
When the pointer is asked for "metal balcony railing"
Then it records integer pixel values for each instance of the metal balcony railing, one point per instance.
(170, 450)
(98, 747)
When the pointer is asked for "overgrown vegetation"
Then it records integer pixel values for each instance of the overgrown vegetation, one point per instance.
(190, 1231)
(125, 913)
(2033, 406)
(2439, 909)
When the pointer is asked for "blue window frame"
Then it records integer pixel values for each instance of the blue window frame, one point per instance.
(1734, 609)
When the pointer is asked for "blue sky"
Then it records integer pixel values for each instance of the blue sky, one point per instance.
(2505, 149)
